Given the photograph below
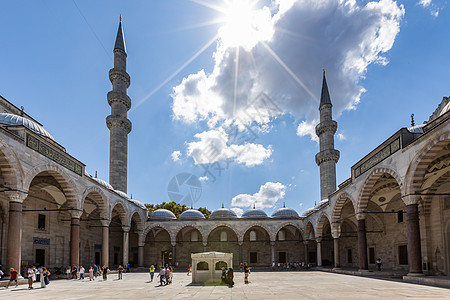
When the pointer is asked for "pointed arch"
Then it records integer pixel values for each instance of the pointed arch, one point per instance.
(323, 218)
(215, 226)
(10, 167)
(193, 226)
(257, 224)
(136, 217)
(273, 236)
(339, 205)
(309, 231)
(123, 214)
(369, 183)
(99, 198)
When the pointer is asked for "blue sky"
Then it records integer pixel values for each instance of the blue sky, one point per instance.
(55, 57)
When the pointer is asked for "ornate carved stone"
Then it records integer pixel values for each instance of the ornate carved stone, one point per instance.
(116, 121)
(119, 97)
(118, 75)
(329, 125)
(327, 155)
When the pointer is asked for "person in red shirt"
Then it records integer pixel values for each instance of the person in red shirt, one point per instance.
(13, 276)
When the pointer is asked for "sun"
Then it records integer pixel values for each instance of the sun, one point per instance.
(244, 25)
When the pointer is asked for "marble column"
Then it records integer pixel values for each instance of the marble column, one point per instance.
(126, 244)
(141, 244)
(240, 252)
(174, 257)
(14, 246)
(105, 242)
(75, 238)
(319, 252)
(337, 262)
(362, 243)
(272, 247)
(204, 247)
(306, 251)
(414, 247)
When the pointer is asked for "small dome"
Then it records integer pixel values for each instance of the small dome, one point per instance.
(254, 213)
(285, 212)
(103, 182)
(123, 194)
(162, 214)
(223, 213)
(191, 214)
(320, 204)
(15, 120)
(308, 211)
(138, 203)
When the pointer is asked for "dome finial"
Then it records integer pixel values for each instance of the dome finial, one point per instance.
(254, 205)
(95, 174)
(323, 70)
(284, 204)
(120, 18)
(412, 120)
(222, 205)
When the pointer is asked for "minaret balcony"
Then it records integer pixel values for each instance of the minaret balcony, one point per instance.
(326, 126)
(118, 121)
(118, 75)
(327, 155)
(119, 97)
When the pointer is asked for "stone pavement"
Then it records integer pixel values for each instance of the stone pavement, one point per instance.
(263, 285)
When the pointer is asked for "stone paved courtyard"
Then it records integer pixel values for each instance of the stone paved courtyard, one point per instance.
(263, 285)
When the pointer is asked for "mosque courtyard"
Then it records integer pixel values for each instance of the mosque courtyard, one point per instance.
(263, 285)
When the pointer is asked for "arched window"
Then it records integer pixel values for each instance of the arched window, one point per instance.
(220, 265)
(194, 236)
(223, 236)
(202, 266)
(281, 236)
(252, 236)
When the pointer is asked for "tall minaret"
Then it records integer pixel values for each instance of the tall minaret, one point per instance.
(117, 122)
(327, 158)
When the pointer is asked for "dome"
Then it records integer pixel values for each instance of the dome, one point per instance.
(138, 203)
(308, 211)
(15, 120)
(103, 182)
(162, 214)
(320, 204)
(223, 213)
(191, 214)
(285, 212)
(254, 213)
(123, 194)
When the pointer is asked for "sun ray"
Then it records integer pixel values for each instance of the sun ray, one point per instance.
(281, 62)
(200, 51)
(209, 5)
(236, 74)
(291, 33)
(195, 26)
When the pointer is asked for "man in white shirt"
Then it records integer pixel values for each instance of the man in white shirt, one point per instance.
(81, 272)
(30, 274)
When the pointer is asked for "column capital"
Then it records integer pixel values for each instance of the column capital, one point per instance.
(411, 199)
(272, 243)
(126, 229)
(335, 230)
(105, 222)
(361, 216)
(16, 196)
(174, 243)
(319, 240)
(76, 213)
(305, 243)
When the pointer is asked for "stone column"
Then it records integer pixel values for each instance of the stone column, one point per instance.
(319, 252)
(272, 247)
(336, 233)
(413, 231)
(141, 244)
(204, 246)
(75, 238)
(126, 244)
(306, 251)
(240, 251)
(105, 242)
(14, 246)
(362, 242)
(174, 257)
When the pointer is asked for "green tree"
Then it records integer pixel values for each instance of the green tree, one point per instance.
(176, 208)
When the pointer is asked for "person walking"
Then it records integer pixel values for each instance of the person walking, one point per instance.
(167, 275)
(74, 272)
(230, 277)
(120, 269)
(68, 272)
(152, 272)
(95, 271)
(91, 273)
(189, 269)
(81, 272)
(30, 274)
(41, 276)
(161, 275)
(128, 268)
(105, 272)
(13, 274)
(246, 273)
(46, 276)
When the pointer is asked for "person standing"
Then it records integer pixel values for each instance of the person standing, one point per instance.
(152, 272)
(30, 274)
(120, 269)
(74, 272)
(41, 276)
(230, 277)
(161, 275)
(379, 263)
(167, 275)
(240, 267)
(95, 271)
(189, 269)
(13, 274)
(91, 273)
(105, 272)
(68, 271)
(246, 273)
(81, 272)
(128, 268)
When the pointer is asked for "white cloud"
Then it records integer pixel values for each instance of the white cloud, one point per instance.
(342, 36)
(267, 196)
(425, 3)
(175, 155)
(431, 6)
(308, 128)
(238, 211)
(300, 204)
(341, 136)
(214, 145)
(203, 178)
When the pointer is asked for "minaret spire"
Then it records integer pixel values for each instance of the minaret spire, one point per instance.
(327, 158)
(117, 122)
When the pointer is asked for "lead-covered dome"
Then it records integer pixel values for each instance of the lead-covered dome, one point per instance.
(103, 182)
(223, 213)
(15, 120)
(162, 214)
(254, 213)
(191, 214)
(285, 212)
